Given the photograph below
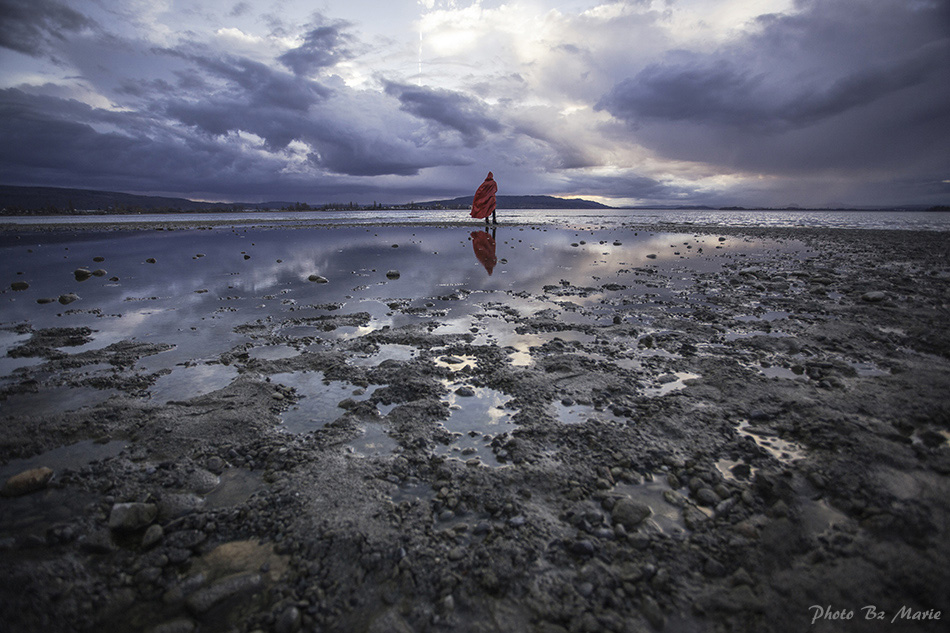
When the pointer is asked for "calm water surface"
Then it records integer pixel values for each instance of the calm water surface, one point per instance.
(897, 220)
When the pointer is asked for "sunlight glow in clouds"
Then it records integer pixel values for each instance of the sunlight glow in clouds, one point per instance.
(763, 102)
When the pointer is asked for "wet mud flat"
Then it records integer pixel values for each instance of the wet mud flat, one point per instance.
(437, 428)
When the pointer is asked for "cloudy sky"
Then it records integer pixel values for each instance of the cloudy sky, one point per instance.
(749, 102)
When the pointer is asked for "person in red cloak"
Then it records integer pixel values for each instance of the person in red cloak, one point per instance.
(484, 245)
(483, 205)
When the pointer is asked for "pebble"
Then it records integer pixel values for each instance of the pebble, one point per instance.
(582, 548)
(318, 279)
(132, 516)
(19, 285)
(66, 299)
(707, 496)
(465, 392)
(27, 481)
(82, 274)
(152, 535)
(150, 260)
(874, 296)
(392, 274)
(289, 621)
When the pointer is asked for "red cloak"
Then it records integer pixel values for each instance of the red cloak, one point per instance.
(484, 202)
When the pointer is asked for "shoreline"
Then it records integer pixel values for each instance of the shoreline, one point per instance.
(679, 448)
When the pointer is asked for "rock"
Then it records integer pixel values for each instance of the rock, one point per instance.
(45, 300)
(215, 464)
(707, 497)
(152, 535)
(228, 587)
(651, 256)
(451, 360)
(68, 298)
(582, 548)
(465, 392)
(99, 272)
(27, 481)
(392, 274)
(19, 285)
(132, 516)
(289, 621)
(873, 296)
(98, 259)
(150, 260)
(82, 274)
(317, 279)
(630, 513)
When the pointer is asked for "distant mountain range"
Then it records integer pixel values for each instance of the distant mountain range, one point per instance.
(57, 200)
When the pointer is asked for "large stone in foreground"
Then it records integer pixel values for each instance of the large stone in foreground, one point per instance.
(630, 513)
(26, 482)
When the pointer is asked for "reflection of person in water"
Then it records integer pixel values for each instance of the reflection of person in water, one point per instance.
(484, 245)
(483, 204)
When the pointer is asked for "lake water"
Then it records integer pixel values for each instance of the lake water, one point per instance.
(610, 218)
(247, 288)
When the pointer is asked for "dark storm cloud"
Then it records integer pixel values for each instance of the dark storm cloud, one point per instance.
(62, 142)
(257, 83)
(466, 115)
(323, 46)
(57, 140)
(720, 93)
(835, 86)
(27, 26)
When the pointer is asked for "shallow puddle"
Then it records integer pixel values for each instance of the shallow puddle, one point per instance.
(52, 400)
(782, 450)
(272, 352)
(318, 402)
(187, 382)
(666, 517)
(235, 487)
(375, 441)
(390, 351)
(72, 456)
(475, 420)
(668, 383)
(576, 413)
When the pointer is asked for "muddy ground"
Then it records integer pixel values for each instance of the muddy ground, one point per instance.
(772, 458)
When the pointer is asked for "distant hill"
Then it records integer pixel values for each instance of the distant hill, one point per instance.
(60, 200)
(519, 202)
